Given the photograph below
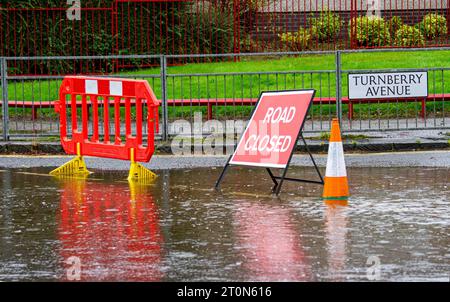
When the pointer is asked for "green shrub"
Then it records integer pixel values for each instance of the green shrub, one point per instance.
(297, 41)
(327, 26)
(408, 36)
(214, 30)
(433, 26)
(394, 24)
(370, 31)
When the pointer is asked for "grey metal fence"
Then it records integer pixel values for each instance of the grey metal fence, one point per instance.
(229, 90)
(397, 114)
(432, 112)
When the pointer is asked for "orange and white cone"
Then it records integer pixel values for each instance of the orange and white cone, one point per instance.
(336, 182)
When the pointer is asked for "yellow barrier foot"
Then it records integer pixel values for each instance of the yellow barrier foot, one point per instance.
(74, 168)
(139, 173)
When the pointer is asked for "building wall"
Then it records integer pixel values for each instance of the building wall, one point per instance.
(267, 25)
(345, 5)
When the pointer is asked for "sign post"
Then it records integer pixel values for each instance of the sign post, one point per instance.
(272, 133)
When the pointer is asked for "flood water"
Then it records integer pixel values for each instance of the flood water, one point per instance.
(395, 227)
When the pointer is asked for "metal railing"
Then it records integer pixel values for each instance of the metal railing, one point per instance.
(213, 26)
(27, 101)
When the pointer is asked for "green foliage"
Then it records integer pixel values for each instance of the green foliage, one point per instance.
(213, 30)
(327, 26)
(394, 24)
(433, 26)
(55, 3)
(408, 36)
(370, 31)
(248, 44)
(245, 9)
(296, 41)
(143, 29)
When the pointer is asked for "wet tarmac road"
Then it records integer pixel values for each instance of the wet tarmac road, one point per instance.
(179, 229)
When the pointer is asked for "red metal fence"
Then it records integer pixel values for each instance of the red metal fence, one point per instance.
(48, 32)
(214, 26)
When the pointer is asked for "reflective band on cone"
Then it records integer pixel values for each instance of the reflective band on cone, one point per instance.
(343, 202)
(336, 182)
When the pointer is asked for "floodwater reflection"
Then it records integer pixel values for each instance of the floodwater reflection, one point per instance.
(271, 247)
(336, 235)
(180, 229)
(112, 228)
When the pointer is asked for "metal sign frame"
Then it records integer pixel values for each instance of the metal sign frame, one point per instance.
(279, 180)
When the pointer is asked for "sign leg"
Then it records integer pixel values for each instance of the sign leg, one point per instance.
(275, 182)
(223, 173)
(278, 188)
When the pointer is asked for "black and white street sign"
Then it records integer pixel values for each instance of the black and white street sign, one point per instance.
(387, 85)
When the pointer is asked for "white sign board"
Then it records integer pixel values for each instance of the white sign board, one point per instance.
(387, 85)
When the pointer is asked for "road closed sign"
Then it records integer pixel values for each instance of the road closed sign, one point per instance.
(273, 129)
(387, 85)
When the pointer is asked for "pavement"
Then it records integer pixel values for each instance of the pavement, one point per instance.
(426, 159)
(370, 141)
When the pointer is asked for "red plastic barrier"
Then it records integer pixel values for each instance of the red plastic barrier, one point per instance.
(107, 96)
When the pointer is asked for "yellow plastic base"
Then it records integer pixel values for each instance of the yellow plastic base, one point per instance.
(75, 168)
(140, 174)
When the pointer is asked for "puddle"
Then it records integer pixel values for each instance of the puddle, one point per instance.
(180, 229)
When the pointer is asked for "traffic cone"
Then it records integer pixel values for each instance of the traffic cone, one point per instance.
(336, 182)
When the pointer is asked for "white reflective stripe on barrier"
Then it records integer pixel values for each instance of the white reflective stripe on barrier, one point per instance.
(115, 88)
(91, 86)
(335, 161)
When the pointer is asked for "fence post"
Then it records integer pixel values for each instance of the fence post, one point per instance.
(353, 16)
(4, 69)
(115, 33)
(236, 28)
(338, 86)
(165, 113)
(448, 20)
